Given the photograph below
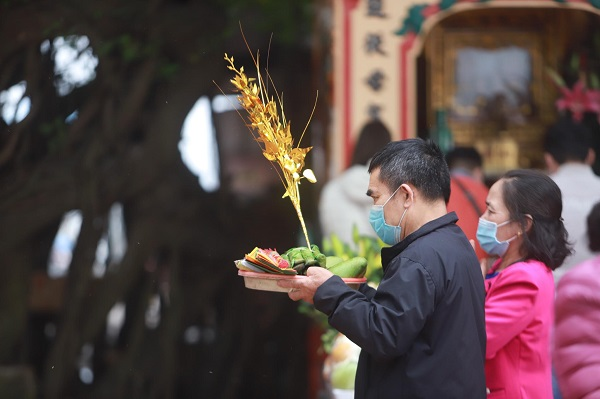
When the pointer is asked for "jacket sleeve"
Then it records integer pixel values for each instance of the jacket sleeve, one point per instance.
(577, 342)
(367, 290)
(509, 308)
(388, 324)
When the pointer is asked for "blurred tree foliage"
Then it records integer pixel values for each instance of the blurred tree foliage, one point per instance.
(155, 59)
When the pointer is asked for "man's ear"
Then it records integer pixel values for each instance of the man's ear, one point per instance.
(591, 157)
(408, 193)
(551, 164)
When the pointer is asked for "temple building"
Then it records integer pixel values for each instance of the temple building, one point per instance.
(496, 73)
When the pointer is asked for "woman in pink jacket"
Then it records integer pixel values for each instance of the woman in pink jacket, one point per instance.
(577, 328)
(522, 226)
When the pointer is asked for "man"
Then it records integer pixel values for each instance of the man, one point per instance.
(569, 156)
(422, 331)
(469, 193)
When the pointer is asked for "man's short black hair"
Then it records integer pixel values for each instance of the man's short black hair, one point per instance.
(417, 162)
(464, 157)
(568, 140)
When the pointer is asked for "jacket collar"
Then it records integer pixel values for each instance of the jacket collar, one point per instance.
(387, 254)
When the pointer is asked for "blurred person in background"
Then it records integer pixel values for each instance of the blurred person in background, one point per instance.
(467, 190)
(569, 158)
(343, 203)
(522, 226)
(577, 327)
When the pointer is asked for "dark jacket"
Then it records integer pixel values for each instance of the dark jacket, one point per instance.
(422, 332)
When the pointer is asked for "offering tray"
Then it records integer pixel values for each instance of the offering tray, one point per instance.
(268, 281)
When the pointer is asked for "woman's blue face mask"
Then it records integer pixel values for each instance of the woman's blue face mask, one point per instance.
(389, 234)
(486, 235)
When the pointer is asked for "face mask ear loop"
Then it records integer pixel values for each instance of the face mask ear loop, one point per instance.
(403, 213)
(513, 237)
(402, 217)
(504, 223)
(394, 193)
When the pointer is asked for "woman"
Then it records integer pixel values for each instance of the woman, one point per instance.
(522, 226)
(576, 337)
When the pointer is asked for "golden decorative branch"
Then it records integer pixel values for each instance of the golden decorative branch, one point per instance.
(273, 134)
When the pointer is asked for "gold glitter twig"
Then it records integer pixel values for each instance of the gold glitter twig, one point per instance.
(273, 133)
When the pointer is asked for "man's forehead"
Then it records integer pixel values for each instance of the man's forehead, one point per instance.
(376, 186)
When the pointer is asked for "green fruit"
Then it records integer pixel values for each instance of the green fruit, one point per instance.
(343, 375)
(332, 261)
(351, 268)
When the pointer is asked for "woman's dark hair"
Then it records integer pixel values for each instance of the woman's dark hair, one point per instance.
(530, 192)
(593, 228)
(415, 161)
(372, 137)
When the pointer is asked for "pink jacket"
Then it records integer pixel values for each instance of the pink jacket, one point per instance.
(577, 332)
(519, 316)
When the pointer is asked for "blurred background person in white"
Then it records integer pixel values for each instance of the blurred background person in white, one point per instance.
(344, 203)
(577, 324)
(569, 158)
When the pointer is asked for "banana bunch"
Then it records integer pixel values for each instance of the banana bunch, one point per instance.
(301, 258)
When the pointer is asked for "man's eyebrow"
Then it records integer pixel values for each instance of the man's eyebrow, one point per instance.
(369, 192)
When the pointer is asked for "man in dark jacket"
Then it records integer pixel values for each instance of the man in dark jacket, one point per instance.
(422, 331)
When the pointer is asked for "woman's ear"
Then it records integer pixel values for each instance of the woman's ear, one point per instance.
(528, 222)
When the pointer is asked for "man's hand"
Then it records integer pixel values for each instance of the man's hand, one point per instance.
(305, 288)
(484, 265)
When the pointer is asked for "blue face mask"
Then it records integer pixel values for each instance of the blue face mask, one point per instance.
(391, 235)
(486, 235)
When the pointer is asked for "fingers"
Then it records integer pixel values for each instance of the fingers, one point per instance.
(296, 295)
(293, 287)
(304, 287)
(296, 291)
(319, 274)
(292, 284)
(298, 288)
